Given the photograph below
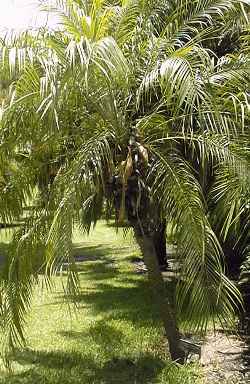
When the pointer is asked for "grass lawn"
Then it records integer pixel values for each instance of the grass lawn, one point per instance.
(114, 337)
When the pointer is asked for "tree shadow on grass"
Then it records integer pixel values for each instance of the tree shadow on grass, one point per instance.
(115, 295)
(133, 303)
(97, 252)
(98, 261)
(94, 261)
(91, 252)
(72, 368)
(101, 270)
(102, 333)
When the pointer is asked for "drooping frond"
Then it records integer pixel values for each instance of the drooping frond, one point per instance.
(204, 292)
(231, 196)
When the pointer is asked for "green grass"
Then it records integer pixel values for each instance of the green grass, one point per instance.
(114, 337)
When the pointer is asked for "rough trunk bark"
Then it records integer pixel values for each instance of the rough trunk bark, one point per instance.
(166, 310)
(159, 239)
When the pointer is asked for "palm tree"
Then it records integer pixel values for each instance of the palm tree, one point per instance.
(126, 106)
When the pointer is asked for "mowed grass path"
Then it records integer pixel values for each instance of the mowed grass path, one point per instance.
(115, 336)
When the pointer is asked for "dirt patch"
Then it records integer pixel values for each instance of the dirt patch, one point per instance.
(226, 359)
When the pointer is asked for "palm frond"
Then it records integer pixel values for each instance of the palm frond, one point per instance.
(231, 196)
(204, 292)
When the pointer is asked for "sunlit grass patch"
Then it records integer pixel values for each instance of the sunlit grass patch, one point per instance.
(115, 336)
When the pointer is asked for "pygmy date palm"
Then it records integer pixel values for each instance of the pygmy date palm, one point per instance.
(126, 106)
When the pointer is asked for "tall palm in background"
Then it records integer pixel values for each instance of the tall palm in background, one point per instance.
(127, 106)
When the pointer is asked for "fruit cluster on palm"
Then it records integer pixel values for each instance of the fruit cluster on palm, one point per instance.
(127, 108)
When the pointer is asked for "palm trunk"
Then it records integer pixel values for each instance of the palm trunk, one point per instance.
(165, 308)
(143, 215)
(159, 238)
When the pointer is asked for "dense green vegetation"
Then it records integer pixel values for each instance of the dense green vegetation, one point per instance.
(115, 336)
